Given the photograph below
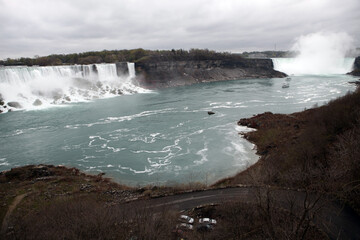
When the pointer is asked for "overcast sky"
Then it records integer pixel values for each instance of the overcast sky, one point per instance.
(43, 27)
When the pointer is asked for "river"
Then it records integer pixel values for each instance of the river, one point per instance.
(161, 136)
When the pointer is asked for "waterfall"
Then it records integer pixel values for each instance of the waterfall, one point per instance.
(131, 67)
(40, 87)
(313, 66)
(106, 71)
(319, 53)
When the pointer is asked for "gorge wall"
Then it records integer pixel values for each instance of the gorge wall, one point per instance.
(159, 74)
(356, 67)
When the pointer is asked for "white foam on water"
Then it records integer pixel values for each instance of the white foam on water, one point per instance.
(180, 124)
(99, 143)
(226, 105)
(203, 154)
(244, 129)
(114, 149)
(110, 120)
(146, 170)
(146, 139)
(3, 162)
(25, 130)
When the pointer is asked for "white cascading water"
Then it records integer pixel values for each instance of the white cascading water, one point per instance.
(131, 67)
(41, 87)
(303, 66)
(319, 54)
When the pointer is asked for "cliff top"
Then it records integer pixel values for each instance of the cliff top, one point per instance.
(192, 55)
(133, 55)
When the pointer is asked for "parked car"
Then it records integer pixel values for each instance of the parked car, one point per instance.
(204, 227)
(186, 219)
(207, 220)
(185, 226)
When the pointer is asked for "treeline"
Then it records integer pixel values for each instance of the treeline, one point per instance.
(269, 54)
(138, 55)
(105, 56)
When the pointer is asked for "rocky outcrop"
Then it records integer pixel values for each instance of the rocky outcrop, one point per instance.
(356, 67)
(2, 102)
(37, 102)
(122, 68)
(14, 104)
(157, 74)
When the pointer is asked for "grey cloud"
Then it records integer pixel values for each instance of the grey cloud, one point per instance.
(43, 27)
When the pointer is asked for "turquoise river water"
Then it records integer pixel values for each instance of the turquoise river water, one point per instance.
(159, 137)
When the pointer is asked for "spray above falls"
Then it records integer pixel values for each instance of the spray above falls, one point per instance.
(319, 54)
(40, 87)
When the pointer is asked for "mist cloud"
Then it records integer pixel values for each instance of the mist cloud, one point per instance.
(41, 27)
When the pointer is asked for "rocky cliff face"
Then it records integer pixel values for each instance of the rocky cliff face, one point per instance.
(160, 74)
(122, 68)
(356, 67)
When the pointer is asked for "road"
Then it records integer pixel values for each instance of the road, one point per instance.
(336, 221)
(12, 207)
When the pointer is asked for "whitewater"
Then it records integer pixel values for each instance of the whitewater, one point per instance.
(42, 87)
(313, 65)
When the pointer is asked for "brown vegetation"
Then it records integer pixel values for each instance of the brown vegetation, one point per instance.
(265, 219)
(63, 203)
(42, 185)
(316, 149)
(87, 218)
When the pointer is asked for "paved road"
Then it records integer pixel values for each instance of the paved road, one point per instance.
(336, 221)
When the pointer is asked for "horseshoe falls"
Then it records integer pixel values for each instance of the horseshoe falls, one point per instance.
(320, 53)
(313, 65)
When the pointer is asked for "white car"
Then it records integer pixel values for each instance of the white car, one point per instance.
(186, 218)
(207, 220)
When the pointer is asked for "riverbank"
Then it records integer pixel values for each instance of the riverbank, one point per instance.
(315, 149)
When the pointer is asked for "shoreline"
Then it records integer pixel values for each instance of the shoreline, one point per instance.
(267, 124)
(315, 149)
(291, 123)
